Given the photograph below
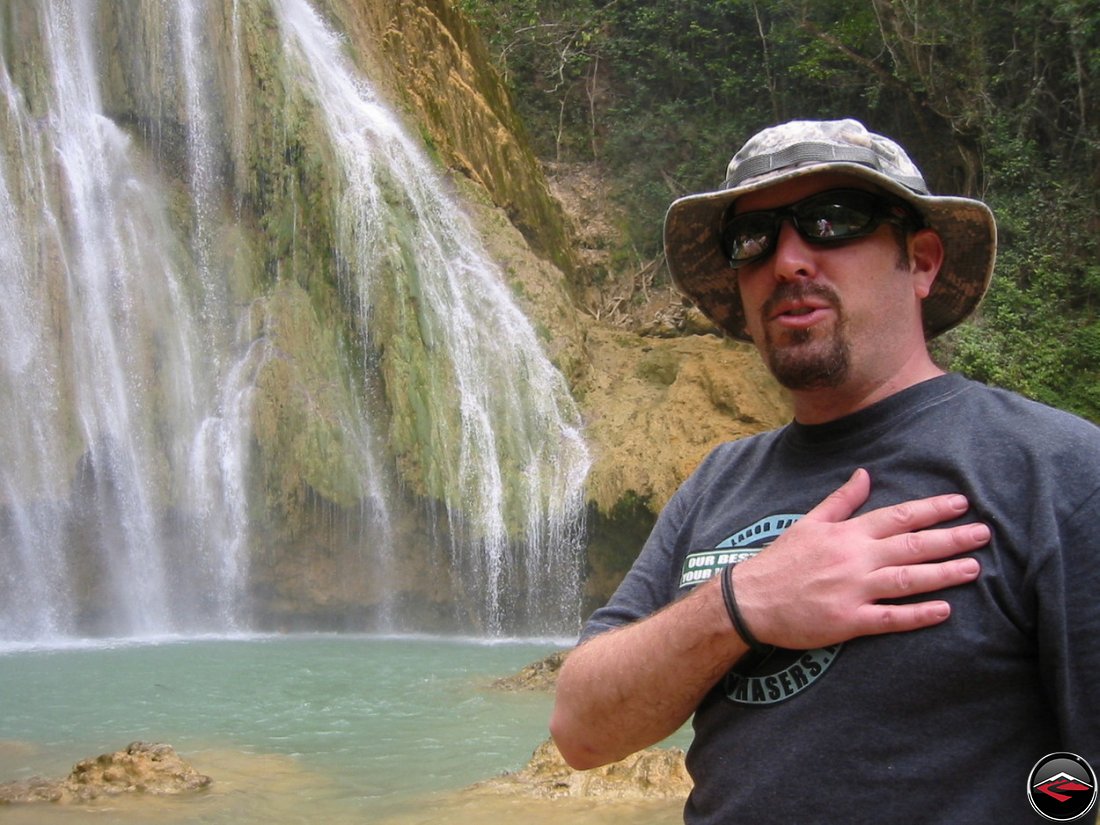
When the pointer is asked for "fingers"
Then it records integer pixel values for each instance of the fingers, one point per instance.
(897, 519)
(876, 619)
(913, 579)
(930, 545)
(825, 579)
(914, 515)
(909, 579)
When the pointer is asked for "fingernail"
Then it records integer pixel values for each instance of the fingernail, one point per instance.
(958, 502)
(970, 567)
(980, 533)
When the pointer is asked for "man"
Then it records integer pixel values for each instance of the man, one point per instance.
(888, 609)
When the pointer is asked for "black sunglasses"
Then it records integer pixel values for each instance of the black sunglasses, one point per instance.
(834, 216)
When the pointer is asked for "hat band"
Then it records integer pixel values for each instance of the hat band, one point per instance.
(800, 153)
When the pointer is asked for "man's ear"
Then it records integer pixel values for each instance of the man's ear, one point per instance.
(925, 260)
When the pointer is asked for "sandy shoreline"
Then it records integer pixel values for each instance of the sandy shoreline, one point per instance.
(273, 789)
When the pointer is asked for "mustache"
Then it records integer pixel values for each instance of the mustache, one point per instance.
(800, 291)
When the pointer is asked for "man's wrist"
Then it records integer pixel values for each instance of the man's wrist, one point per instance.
(733, 610)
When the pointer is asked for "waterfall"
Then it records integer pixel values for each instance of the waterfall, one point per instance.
(115, 374)
(510, 408)
(206, 351)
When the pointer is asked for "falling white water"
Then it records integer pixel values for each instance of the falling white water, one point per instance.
(134, 346)
(113, 374)
(216, 473)
(203, 152)
(108, 307)
(512, 404)
(35, 577)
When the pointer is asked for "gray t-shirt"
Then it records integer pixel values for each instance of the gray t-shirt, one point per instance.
(941, 725)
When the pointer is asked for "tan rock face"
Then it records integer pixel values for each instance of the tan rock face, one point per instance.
(656, 407)
(435, 63)
(656, 773)
(660, 387)
(141, 768)
(538, 676)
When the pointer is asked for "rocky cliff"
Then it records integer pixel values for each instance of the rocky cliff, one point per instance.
(657, 385)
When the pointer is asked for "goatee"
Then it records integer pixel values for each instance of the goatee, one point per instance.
(807, 359)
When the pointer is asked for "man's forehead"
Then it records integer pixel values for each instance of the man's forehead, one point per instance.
(793, 190)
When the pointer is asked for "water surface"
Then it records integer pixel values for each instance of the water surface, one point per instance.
(292, 729)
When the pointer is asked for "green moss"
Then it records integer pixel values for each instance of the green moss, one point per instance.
(306, 411)
(659, 366)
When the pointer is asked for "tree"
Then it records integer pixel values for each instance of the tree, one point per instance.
(992, 100)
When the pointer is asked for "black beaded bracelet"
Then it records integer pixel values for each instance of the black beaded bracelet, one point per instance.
(736, 619)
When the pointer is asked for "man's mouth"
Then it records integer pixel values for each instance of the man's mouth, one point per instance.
(800, 305)
(799, 311)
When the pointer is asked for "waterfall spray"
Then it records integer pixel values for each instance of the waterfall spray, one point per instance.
(161, 277)
(508, 431)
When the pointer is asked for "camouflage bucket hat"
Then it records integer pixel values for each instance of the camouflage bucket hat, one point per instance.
(800, 148)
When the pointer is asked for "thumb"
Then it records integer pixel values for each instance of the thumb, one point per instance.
(845, 500)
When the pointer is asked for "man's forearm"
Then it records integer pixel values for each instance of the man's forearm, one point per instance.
(829, 578)
(630, 688)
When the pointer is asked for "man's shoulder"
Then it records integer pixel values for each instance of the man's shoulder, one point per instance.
(1024, 436)
(721, 455)
(1025, 417)
(726, 461)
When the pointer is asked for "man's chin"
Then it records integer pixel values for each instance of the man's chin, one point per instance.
(808, 364)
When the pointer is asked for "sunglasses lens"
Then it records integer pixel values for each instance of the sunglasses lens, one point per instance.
(750, 236)
(843, 215)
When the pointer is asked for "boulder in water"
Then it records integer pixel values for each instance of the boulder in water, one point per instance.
(141, 768)
(654, 773)
(540, 676)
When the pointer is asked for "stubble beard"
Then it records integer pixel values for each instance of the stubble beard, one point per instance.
(808, 359)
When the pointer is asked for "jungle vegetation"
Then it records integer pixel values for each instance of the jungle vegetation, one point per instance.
(995, 100)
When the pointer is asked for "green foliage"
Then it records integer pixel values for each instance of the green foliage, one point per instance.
(1039, 329)
(993, 100)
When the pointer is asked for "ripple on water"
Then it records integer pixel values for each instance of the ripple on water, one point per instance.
(292, 729)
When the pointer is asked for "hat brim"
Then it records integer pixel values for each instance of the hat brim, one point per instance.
(701, 272)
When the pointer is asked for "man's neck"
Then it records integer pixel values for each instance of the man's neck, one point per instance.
(823, 405)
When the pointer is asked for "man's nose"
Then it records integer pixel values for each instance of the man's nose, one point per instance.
(794, 256)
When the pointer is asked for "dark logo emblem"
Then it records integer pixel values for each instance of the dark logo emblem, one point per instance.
(1062, 787)
(777, 674)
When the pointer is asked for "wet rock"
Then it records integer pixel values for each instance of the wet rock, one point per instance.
(655, 773)
(35, 789)
(141, 768)
(541, 675)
